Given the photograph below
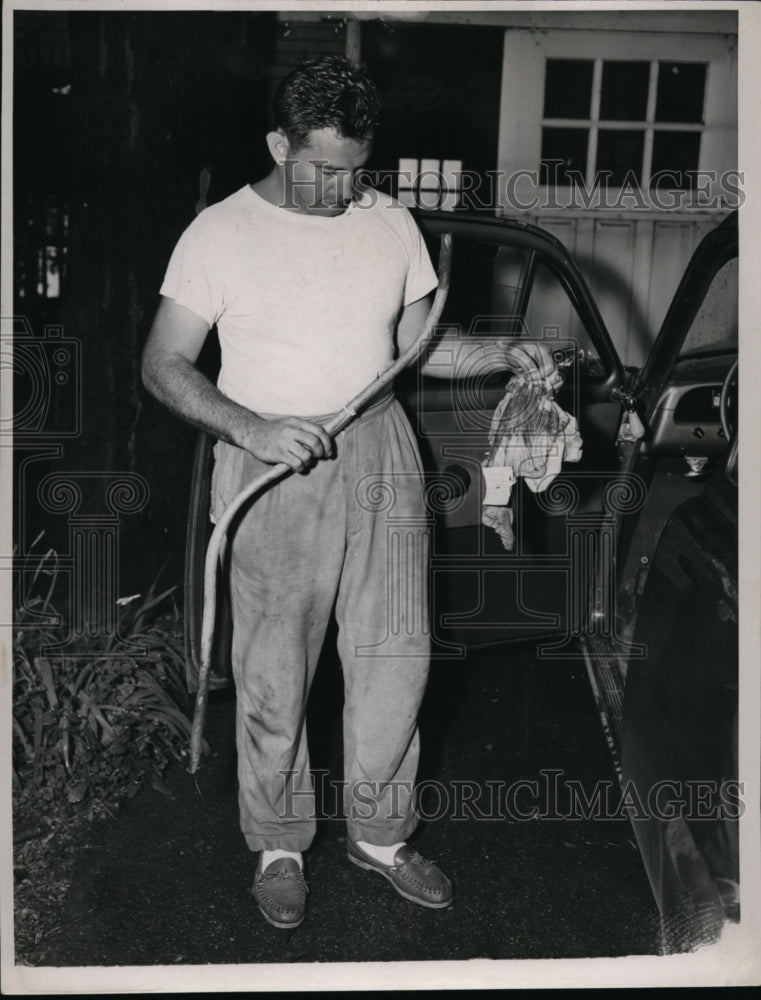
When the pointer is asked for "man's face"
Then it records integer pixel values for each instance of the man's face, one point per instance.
(319, 177)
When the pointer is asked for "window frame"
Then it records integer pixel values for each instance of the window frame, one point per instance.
(648, 125)
(553, 254)
(522, 110)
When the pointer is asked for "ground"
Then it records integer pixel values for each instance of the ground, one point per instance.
(168, 880)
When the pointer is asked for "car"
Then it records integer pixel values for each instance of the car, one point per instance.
(627, 561)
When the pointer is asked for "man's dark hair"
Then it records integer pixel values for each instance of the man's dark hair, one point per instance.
(326, 92)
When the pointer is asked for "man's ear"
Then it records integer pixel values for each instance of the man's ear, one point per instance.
(278, 145)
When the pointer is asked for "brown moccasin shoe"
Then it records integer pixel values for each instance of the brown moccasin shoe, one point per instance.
(280, 892)
(412, 875)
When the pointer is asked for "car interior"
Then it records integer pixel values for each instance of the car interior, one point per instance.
(689, 430)
(678, 600)
(506, 283)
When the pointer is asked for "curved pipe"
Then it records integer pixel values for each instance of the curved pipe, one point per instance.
(279, 471)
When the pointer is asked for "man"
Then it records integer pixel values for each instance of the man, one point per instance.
(313, 285)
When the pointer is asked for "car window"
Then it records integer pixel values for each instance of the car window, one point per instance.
(485, 286)
(502, 290)
(552, 316)
(715, 326)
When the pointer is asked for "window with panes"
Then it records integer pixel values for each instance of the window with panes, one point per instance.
(616, 122)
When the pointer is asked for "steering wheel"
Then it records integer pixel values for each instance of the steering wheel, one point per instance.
(727, 400)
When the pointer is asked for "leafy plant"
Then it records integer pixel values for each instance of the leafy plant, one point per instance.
(92, 728)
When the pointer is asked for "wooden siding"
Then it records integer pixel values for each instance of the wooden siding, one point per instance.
(633, 266)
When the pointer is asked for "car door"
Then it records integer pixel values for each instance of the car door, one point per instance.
(677, 394)
(679, 727)
(510, 279)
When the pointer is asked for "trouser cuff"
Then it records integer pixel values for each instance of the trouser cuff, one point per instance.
(381, 836)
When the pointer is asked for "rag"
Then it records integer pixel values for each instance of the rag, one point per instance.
(530, 434)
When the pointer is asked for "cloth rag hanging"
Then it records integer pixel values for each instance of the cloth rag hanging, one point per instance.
(530, 435)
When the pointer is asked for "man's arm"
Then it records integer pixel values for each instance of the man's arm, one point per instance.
(450, 355)
(170, 374)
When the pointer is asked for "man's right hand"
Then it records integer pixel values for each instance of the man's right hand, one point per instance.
(169, 373)
(292, 440)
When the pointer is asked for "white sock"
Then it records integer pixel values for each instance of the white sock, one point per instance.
(383, 854)
(269, 856)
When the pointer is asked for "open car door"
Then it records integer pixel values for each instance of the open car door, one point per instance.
(510, 279)
(678, 599)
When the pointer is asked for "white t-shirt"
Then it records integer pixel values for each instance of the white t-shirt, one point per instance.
(305, 305)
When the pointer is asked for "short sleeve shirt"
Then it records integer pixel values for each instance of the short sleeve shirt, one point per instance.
(305, 306)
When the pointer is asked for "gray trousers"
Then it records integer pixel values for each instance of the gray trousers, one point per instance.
(352, 534)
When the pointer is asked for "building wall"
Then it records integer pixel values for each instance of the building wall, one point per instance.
(633, 248)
